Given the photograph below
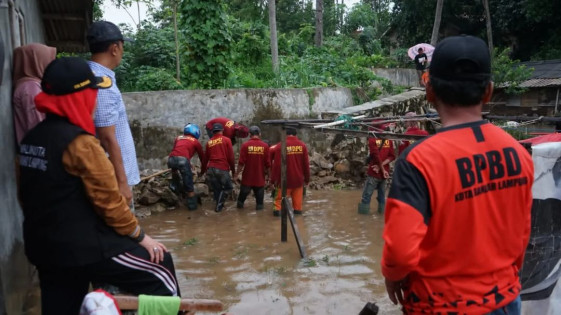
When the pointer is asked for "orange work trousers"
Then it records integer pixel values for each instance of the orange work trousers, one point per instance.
(295, 193)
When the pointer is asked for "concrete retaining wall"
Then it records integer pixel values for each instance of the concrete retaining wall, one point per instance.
(401, 76)
(156, 118)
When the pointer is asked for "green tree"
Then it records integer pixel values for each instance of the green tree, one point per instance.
(207, 39)
(507, 73)
(531, 28)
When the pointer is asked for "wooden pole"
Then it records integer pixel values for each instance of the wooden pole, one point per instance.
(436, 25)
(155, 174)
(556, 102)
(283, 187)
(297, 236)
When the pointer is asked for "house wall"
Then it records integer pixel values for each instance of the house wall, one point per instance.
(15, 272)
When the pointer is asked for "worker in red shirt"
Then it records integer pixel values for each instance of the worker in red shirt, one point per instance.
(378, 172)
(219, 162)
(254, 167)
(232, 129)
(458, 218)
(179, 160)
(412, 129)
(297, 171)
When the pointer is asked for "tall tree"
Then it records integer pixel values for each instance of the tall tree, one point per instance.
(488, 24)
(175, 3)
(273, 30)
(436, 25)
(319, 23)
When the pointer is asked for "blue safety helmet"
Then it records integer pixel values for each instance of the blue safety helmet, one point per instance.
(193, 130)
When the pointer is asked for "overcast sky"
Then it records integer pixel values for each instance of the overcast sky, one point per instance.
(117, 16)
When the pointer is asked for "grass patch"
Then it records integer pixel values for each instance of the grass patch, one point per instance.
(191, 242)
(310, 262)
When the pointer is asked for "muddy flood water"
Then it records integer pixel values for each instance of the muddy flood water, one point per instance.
(237, 257)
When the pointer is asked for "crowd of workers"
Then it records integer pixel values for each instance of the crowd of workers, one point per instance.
(454, 235)
(258, 165)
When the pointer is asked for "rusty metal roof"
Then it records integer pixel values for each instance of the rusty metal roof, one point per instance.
(532, 83)
(66, 23)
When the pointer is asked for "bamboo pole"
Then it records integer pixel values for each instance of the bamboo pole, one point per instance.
(155, 174)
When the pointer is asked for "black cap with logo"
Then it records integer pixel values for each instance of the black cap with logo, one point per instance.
(461, 58)
(103, 31)
(71, 74)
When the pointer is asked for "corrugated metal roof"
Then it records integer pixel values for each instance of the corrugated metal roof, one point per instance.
(545, 69)
(66, 23)
(541, 83)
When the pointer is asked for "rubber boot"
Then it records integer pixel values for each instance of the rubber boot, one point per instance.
(381, 207)
(192, 203)
(221, 201)
(363, 208)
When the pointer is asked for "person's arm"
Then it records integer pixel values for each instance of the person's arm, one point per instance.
(108, 140)
(241, 162)
(374, 154)
(204, 160)
(267, 165)
(391, 155)
(230, 157)
(32, 115)
(86, 159)
(406, 222)
(200, 154)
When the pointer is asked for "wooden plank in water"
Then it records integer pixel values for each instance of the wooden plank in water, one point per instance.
(288, 206)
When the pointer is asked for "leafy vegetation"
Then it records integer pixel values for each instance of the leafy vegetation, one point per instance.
(226, 44)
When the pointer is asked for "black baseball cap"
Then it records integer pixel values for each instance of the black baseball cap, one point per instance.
(254, 130)
(67, 75)
(104, 31)
(461, 58)
(217, 127)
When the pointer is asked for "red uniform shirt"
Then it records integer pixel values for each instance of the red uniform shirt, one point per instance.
(411, 131)
(219, 154)
(254, 156)
(386, 152)
(297, 163)
(227, 123)
(186, 146)
(458, 220)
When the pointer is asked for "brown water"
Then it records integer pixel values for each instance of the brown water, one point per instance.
(237, 257)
